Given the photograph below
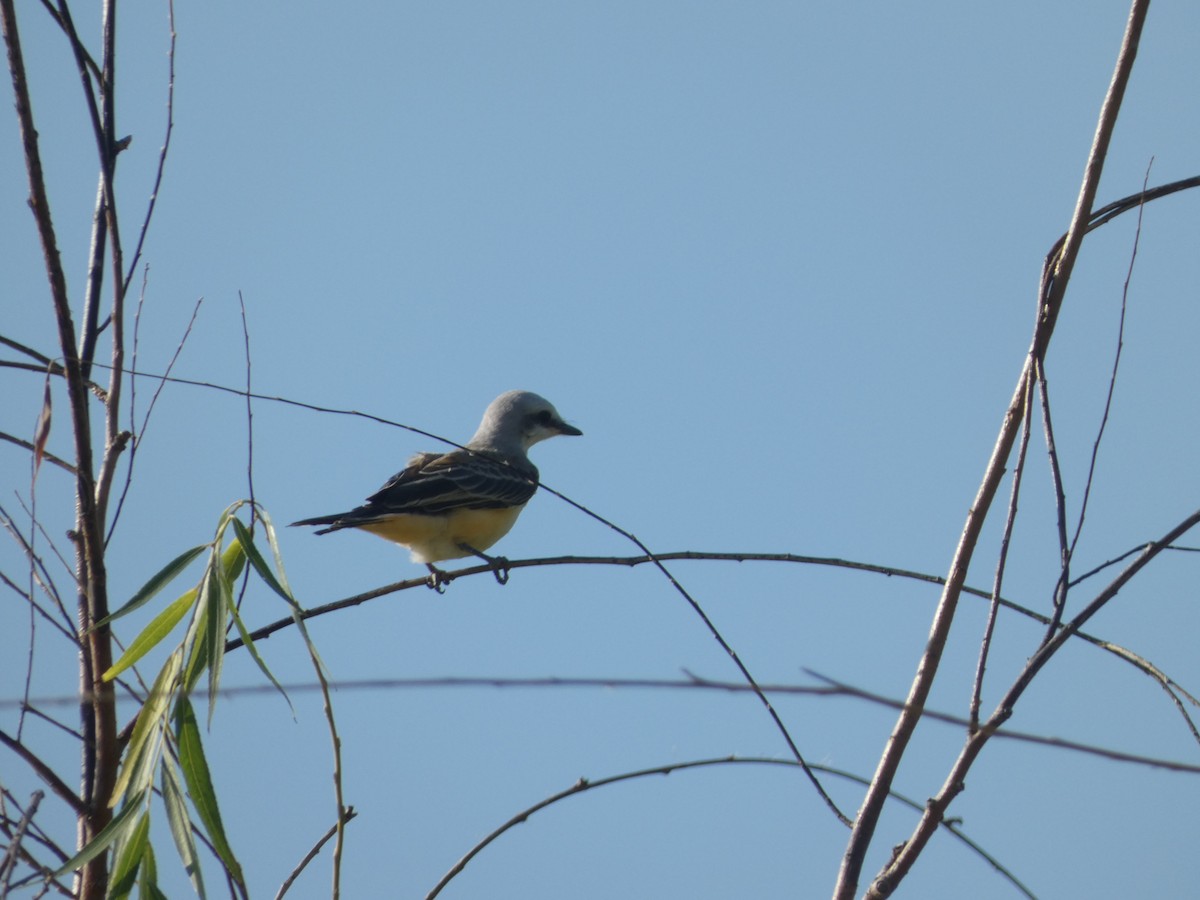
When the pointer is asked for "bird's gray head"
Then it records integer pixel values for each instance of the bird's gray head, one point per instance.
(517, 420)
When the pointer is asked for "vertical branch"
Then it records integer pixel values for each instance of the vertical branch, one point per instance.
(1112, 379)
(89, 331)
(162, 153)
(114, 438)
(1059, 601)
(1056, 275)
(998, 582)
(97, 712)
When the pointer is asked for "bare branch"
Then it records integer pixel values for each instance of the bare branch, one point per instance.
(955, 783)
(14, 844)
(1122, 653)
(46, 455)
(1060, 502)
(1057, 275)
(140, 433)
(586, 785)
(162, 153)
(42, 360)
(1002, 560)
(312, 853)
(1112, 378)
(43, 771)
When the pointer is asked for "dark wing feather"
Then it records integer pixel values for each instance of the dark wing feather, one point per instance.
(434, 483)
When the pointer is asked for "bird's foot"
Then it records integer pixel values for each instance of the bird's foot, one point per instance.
(500, 563)
(438, 579)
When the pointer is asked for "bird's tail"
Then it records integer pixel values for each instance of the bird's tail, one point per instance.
(331, 521)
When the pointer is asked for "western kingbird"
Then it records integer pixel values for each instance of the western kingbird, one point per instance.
(456, 504)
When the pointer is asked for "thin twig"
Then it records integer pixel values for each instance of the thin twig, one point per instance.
(312, 854)
(50, 720)
(56, 368)
(1112, 378)
(14, 843)
(1002, 560)
(41, 871)
(42, 360)
(716, 634)
(830, 688)
(46, 454)
(66, 626)
(1109, 563)
(91, 75)
(162, 153)
(140, 433)
(43, 771)
(249, 408)
(21, 592)
(1059, 600)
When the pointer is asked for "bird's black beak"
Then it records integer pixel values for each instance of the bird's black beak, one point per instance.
(564, 428)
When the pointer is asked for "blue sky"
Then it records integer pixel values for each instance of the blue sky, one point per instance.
(779, 262)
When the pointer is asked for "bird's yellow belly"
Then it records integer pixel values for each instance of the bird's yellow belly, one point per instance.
(434, 538)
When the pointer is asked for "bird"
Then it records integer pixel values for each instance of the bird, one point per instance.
(457, 504)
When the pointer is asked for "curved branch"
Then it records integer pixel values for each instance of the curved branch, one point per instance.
(1124, 654)
(585, 785)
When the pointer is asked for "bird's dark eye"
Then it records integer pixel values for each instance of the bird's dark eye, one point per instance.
(544, 418)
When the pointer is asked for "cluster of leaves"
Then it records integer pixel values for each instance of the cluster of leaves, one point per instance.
(165, 744)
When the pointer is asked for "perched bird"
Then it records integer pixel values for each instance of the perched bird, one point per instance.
(456, 504)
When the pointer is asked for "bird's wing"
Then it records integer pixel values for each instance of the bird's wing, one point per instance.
(434, 483)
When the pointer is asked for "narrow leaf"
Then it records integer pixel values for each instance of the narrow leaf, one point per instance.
(233, 560)
(181, 825)
(41, 431)
(128, 857)
(148, 877)
(260, 564)
(197, 638)
(120, 825)
(149, 723)
(222, 600)
(160, 626)
(165, 576)
(249, 644)
(273, 543)
(199, 784)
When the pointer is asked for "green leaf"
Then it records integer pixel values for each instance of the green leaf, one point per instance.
(199, 784)
(160, 626)
(120, 826)
(139, 761)
(260, 564)
(165, 576)
(198, 638)
(233, 560)
(273, 543)
(220, 598)
(248, 643)
(128, 857)
(148, 878)
(181, 825)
